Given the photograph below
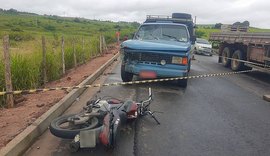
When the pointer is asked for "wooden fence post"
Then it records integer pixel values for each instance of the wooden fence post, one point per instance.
(90, 53)
(100, 45)
(10, 100)
(83, 51)
(44, 62)
(74, 53)
(63, 55)
(104, 44)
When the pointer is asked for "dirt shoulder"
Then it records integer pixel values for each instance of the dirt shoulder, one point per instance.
(15, 120)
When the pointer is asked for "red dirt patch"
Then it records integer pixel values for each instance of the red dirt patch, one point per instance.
(15, 120)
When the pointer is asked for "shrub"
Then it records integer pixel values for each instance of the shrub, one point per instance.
(16, 29)
(77, 20)
(199, 33)
(53, 66)
(25, 71)
(49, 28)
(16, 36)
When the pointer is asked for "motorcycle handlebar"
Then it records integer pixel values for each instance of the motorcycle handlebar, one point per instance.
(150, 97)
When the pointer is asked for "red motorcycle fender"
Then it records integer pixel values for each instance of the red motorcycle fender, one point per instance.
(105, 132)
(133, 110)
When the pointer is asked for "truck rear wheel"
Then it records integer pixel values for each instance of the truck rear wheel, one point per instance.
(235, 64)
(126, 76)
(226, 54)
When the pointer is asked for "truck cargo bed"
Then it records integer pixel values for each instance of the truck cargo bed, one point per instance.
(245, 38)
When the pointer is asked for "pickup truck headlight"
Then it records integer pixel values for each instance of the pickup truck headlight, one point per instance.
(179, 60)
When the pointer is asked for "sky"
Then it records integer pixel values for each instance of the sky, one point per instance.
(207, 11)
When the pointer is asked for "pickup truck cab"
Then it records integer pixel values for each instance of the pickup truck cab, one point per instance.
(161, 48)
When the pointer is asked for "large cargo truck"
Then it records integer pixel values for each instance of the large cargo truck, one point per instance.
(252, 48)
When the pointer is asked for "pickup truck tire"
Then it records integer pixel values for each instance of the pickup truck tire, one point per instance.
(195, 50)
(189, 65)
(226, 53)
(126, 76)
(183, 83)
(236, 65)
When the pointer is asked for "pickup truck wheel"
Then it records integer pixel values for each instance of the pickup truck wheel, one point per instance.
(235, 64)
(182, 83)
(126, 76)
(226, 53)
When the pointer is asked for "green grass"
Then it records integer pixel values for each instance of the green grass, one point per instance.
(204, 31)
(25, 31)
(252, 29)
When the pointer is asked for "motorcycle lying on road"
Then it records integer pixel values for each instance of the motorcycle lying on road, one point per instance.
(99, 122)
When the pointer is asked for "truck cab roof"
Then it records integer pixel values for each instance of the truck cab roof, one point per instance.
(184, 19)
(175, 19)
(164, 23)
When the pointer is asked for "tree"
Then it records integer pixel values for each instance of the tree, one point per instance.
(135, 24)
(246, 23)
(218, 25)
(237, 23)
(12, 11)
(118, 27)
(199, 33)
(77, 20)
(49, 27)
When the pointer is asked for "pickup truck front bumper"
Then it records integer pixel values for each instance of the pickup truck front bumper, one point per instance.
(168, 70)
(204, 51)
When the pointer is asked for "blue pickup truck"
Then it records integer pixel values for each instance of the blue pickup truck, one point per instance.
(161, 48)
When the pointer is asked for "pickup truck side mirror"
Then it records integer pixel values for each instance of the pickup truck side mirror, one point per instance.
(193, 39)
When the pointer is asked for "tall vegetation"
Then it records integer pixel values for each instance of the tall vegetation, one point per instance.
(25, 31)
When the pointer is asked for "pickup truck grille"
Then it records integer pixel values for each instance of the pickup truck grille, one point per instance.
(149, 57)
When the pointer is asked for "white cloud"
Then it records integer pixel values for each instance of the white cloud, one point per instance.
(207, 11)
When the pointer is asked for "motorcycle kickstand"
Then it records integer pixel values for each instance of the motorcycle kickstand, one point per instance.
(153, 116)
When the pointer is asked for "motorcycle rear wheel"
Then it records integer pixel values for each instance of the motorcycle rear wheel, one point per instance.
(70, 131)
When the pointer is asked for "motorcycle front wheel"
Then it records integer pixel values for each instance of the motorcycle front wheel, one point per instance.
(62, 128)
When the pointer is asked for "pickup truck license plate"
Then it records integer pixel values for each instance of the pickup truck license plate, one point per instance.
(148, 74)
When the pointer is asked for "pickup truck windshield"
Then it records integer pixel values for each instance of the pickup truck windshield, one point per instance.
(163, 32)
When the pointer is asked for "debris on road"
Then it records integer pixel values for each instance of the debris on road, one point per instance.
(266, 98)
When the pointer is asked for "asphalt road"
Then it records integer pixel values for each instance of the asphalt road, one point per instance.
(212, 116)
